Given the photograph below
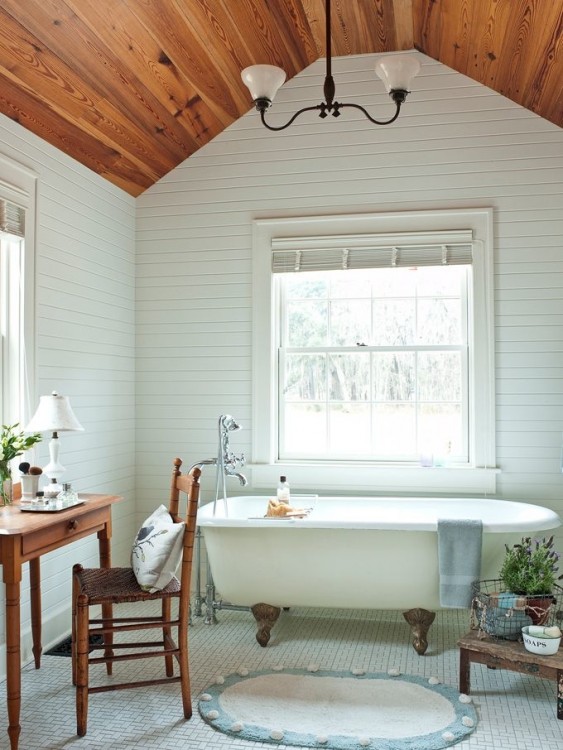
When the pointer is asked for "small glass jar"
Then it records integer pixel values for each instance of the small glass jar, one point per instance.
(67, 494)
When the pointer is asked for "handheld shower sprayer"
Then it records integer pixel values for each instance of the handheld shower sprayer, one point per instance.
(228, 423)
(227, 461)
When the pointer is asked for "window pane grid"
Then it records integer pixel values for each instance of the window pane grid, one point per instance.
(374, 417)
(330, 403)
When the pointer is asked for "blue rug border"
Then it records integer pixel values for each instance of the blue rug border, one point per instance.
(255, 733)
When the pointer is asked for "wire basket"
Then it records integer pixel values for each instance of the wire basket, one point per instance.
(502, 614)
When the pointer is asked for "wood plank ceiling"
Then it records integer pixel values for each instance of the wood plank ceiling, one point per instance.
(131, 88)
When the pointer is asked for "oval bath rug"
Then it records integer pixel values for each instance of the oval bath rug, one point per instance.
(338, 710)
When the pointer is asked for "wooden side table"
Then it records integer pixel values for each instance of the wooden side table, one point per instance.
(500, 654)
(24, 537)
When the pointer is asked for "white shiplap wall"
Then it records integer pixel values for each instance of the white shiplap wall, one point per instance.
(84, 295)
(457, 144)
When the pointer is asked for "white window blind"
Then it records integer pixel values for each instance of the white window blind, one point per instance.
(400, 250)
(12, 218)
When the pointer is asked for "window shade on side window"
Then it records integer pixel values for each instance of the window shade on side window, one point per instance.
(12, 218)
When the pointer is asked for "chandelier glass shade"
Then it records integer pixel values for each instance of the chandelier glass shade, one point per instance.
(396, 72)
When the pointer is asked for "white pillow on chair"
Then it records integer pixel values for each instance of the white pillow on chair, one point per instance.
(157, 550)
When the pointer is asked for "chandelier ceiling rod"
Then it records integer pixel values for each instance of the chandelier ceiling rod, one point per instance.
(396, 72)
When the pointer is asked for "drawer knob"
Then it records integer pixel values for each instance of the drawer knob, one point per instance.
(72, 525)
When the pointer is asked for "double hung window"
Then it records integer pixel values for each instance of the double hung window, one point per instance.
(373, 350)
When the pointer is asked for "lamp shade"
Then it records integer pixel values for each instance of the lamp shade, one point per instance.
(397, 71)
(54, 414)
(263, 81)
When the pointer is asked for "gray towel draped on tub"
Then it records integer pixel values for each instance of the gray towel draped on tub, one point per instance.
(459, 560)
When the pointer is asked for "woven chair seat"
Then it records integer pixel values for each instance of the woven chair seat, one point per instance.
(112, 585)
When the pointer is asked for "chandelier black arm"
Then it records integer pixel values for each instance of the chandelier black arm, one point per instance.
(288, 123)
(375, 122)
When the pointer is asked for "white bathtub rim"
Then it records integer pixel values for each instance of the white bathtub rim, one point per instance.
(513, 516)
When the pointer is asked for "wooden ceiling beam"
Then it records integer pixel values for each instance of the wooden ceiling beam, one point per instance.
(404, 24)
(362, 27)
(281, 33)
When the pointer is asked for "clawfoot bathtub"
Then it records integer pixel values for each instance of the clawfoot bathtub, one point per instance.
(350, 552)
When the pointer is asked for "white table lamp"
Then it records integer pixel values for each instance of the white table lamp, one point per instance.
(54, 414)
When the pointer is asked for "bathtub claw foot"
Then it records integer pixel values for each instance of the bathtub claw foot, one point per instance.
(420, 621)
(266, 617)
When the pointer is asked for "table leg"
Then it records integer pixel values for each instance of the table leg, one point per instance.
(35, 594)
(104, 537)
(560, 693)
(12, 572)
(464, 671)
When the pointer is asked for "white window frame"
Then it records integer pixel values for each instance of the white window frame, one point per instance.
(18, 185)
(345, 477)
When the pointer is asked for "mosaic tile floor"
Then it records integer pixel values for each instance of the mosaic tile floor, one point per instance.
(516, 712)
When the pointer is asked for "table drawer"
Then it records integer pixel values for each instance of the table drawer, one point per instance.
(64, 531)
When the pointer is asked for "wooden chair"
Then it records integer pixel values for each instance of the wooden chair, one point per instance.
(108, 586)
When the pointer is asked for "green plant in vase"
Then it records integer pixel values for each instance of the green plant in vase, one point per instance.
(12, 444)
(530, 569)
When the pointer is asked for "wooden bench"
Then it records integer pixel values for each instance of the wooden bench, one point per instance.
(498, 654)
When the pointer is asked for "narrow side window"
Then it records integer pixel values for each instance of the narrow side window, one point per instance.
(17, 287)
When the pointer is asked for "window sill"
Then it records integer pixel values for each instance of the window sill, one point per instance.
(344, 479)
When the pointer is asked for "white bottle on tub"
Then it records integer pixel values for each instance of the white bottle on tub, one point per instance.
(283, 490)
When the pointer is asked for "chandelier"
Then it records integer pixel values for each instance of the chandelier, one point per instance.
(396, 72)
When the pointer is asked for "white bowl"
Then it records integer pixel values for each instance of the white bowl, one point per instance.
(540, 644)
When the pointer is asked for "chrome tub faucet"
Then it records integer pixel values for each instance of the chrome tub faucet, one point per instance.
(228, 463)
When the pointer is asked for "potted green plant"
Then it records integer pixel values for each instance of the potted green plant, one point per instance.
(12, 444)
(530, 569)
